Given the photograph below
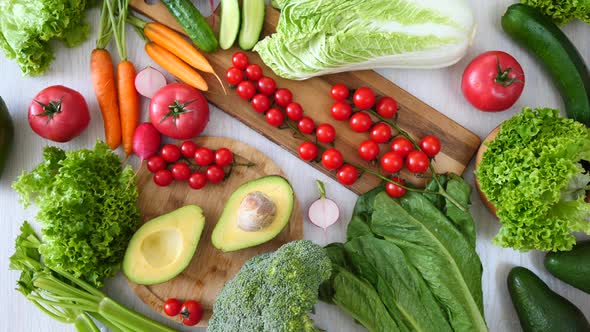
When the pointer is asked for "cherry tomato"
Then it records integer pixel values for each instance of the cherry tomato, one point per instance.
(204, 156)
(347, 175)
(234, 76)
(339, 92)
(224, 157)
(172, 307)
(215, 174)
(163, 178)
(260, 103)
(368, 150)
(360, 122)
(240, 60)
(266, 86)
(246, 90)
(156, 163)
(308, 151)
(363, 98)
(191, 313)
(402, 146)
(294, 111)
(341, 111)
(387, 107)
(493, 81)
(197, 180)
(253, 72)
(275, 117)
(181, 171)
(325, 133)
(394, 190)
(170, 153)
(283, 97)
(430, 145)
(392, 162)
(381, 133)
(306, 125)
(417, 162)
(332, 159)
(188, 149)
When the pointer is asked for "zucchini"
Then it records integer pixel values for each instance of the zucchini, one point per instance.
(230, 23)
(252, 21)
(6, 135)
(537, 33)
(193, 23)
(573, 267)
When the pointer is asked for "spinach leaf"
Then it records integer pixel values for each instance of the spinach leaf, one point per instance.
(460, 191)
(361, 215)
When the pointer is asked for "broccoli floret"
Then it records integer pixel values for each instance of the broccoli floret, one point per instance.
(274, 291)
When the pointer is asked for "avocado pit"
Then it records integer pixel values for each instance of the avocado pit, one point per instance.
(256, 212)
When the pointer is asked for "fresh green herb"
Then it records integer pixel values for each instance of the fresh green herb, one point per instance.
(562, 11)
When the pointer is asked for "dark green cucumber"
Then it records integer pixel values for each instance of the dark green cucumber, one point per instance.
(193, 23)
(6, 134)
(539, 308)
(252, 21)
(573, 267)
(550, 45)
(229, 24)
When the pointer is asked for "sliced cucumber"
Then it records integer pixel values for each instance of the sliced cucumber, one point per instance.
(229, 23)
(252, 21)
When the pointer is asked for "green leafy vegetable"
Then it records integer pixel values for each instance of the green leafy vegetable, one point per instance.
(532, 174)
(87, 207)
(562, 11)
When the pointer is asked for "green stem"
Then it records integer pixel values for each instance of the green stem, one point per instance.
(62, 304)
(105, 31)
(118, 314)
(84, 285)
(136, 21)
(84, 323)
(110, 325)
(50, 313)
(321, 189)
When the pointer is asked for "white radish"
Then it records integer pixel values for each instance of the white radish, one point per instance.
(324, 212)
(148, 81)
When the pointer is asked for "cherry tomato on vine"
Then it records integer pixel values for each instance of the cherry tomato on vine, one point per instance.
(253, 72)
(392, 162)
(156, 163)
(163, 178)
(275, 117)
(266, 86)
(402, 146)
(240, 60)
(387, 107)
(363, 98)
(260, 103)
(170, 153)
(215, 174)
(188, 149)
(332, 159)
(246, 90)
(180, 171)
(394, 190)
(204, 156)
(197, 180)
(172, 307)
(234, 76)
(430, 145)
(347, 175)
(306, 125)
(294, 111)
(308, 151)
(341, 111)
(368, 150)
(325, 133)
(283, 97)
(360, 122)
(224, 157)
(339, 92)
(381, 133)
(417, 162)
(191, 313)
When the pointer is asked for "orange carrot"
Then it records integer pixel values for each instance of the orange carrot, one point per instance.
(176, 66)
(128, 103)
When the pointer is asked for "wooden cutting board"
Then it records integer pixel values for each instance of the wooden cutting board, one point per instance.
(210, 268)
(458, 144)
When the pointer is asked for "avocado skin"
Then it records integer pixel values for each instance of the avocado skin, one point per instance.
(6, 134)
(540, 309)
(572, 267)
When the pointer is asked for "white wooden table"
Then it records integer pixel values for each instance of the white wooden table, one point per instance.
(439, 88)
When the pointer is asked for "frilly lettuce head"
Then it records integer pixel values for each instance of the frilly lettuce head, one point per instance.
(562, 11)
(532, 173)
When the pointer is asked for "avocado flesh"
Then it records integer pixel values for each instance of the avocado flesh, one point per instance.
(163, 247)
(228, 236)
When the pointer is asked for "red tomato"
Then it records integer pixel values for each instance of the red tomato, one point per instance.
(191, 313)
(275, 117)
(181, 171)
(332, 159)
(197, 180)
(246, 90)
(224, 157)
(283, 97)
(253, 72)
(364, 98)
(347, 175)
(294, 111)
(360, 122)
(493, 81)
(234, 76)
(188, 149)
(402, 146)
(260, 103)
(156, 163)
(306, 125)
(381, 133)
(417, 162)
(325, 133)
(179, 111)
(339, 92)
(394, 190)
(266, 86)
(172, 307)
(387, 107)
(430, 145)
(170, 153)
(341, 111)
(58, 113)
(204, 156)
(391, 162)
(308, 151)
(215, 174)
(240, 60)
(368, 150)
(163, 178)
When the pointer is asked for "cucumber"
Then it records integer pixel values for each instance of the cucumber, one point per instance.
(193, 23)
(537, 33)
(539, 308)
(252, 21)
(573, 267)
(230, 23)
(6, 135)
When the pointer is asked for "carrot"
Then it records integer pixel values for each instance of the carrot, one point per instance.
(176, 66)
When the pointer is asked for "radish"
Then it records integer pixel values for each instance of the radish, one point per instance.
(324, 212)
(146, 140)
(148, 81)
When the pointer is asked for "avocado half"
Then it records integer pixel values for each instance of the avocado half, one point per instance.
(254, 214)
(163, 247)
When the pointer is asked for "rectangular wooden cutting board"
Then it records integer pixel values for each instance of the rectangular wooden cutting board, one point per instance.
(458, 144)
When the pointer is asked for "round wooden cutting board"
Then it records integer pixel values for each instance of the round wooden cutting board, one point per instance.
(210, 268)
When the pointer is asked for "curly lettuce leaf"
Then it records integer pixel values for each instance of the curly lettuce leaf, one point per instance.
(562, 11)
(532, 174)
